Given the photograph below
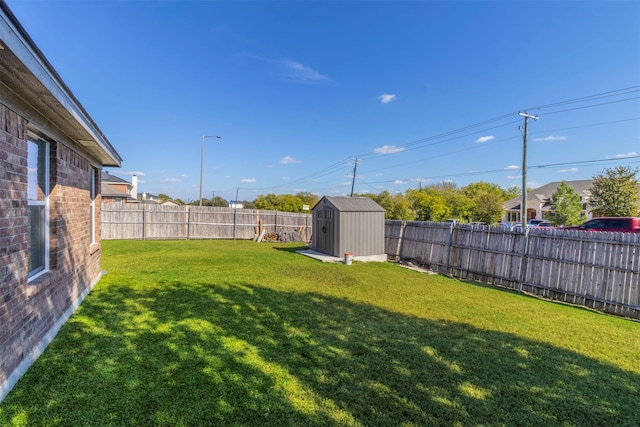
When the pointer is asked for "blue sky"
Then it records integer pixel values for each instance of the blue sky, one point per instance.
(420, 92)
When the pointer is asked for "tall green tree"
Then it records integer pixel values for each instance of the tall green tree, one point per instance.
(566, 206)
(428, 204)
(401, 208)
(488, 201)
(614, 192)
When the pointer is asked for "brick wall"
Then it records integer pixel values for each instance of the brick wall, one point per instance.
(29, 310)
(14, 307)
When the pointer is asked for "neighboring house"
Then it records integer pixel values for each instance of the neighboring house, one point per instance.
(150, 199)
(118, 190)
(51, 155)
(538, 206)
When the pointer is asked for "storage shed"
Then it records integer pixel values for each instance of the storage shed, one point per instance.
(349, 225)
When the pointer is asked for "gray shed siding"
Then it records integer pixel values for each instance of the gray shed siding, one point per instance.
(348, 224)
(360, 233)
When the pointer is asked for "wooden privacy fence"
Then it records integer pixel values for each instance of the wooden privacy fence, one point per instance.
(147, 222)
(593, 269)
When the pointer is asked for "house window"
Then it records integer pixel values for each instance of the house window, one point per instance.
(38, 201)
(92, 204)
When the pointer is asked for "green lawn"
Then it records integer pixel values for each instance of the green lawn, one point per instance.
(246, 334)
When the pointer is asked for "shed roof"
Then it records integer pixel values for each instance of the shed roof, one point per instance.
(353, 204)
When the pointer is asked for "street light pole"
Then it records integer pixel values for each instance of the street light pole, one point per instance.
(202, 161)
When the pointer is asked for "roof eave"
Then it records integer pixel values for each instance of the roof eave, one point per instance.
(32, 79)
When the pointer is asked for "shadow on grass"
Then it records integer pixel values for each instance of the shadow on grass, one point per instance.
(292, 249)
(247, 355)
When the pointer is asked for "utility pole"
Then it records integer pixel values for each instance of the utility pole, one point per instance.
(353, 181)
(523, 205)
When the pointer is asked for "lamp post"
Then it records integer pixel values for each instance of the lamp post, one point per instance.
(202, 161)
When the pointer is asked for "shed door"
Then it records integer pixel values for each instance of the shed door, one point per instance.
(324, 227)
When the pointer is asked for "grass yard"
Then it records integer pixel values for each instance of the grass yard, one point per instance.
(236, 333)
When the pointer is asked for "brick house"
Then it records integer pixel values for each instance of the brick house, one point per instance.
(51, 156)
(117, 190)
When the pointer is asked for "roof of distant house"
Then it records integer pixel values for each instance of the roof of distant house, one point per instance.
(108, 178)
(544, 193)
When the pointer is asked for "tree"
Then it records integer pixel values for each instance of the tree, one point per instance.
(566, 206)
(512, 192)
(488, 208)
(428, 204)
(461, 206)
(282, 202)
(401, 207)
(219, 202)
(248, 204)
(614, 192)
(307, 198)
(488, 201)
(384, 199)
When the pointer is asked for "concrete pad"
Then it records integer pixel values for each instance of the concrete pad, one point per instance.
(329, 258)
(320, 256)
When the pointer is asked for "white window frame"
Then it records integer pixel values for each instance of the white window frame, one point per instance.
(92, 204)
(40, 270)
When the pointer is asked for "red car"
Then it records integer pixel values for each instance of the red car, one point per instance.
(617, 224)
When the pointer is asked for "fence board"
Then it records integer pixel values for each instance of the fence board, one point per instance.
(146, 221)
(598, 270)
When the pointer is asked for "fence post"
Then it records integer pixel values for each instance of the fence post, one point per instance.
(400, 240)
(276, 222)
(450, 250)
(523, 258)
(235, 213)
(143, 224)
(188, 222)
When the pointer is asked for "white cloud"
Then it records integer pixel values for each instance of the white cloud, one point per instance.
(624, 156)
(288, 160)
(285, 177)
(302, 74)
(418, 180)
(485, 139)
(137, 173)
(551, 138)
(248, 180)
(269, 166)
(399, 182)
(512, 168)
(378, 174)
(570, 170)
(184, 175)
(171, 180)
(386, 98)
(514, 176)
(388, 149)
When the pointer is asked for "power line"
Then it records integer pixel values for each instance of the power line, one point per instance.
(438, 139)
